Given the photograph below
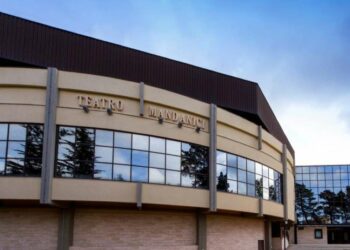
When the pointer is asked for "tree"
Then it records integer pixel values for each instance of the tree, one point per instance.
(306, 206)
(329, 207)
(222, 183)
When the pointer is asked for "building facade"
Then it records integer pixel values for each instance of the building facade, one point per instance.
(322, 204)
(93, 160)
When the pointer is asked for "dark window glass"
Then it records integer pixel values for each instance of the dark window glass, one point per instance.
(259, 186)
(15, 167)
(16, 149)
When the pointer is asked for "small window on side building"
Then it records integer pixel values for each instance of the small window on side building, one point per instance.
(318, 234)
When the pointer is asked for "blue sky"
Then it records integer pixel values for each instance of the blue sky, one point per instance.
(298, 52)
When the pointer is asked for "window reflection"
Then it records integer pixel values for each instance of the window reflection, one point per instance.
(104, 137)
(156, 175)
(173, 177)
(122, 156)
(2, 166)
(157, 160)
(122, 140)
(121, 172)
(3, 131)
(173, 162)
(173, 147)
(103, 171)
(140, 142)
(157, 145)
(242, 188)
(2, 149)
(139, 174)
(17, 132)
(139, 158)
(103, 154)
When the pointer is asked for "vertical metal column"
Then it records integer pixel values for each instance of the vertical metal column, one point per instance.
(49, 140)
(285, 184)
(260, 137)
(142, 99)
(139, 195)
(267, 234)
(65, 229)
(212, 158)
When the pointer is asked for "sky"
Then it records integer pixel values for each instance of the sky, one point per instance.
(297, 51)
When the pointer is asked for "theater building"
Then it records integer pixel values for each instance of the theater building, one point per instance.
(106, 147)
(322, 205)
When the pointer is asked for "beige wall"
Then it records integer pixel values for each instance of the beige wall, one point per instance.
(28, 228)
(22, 99)
(230, 232)
(306, 236)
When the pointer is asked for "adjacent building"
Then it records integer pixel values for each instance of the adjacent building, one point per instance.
(322, 204)
(107, 147)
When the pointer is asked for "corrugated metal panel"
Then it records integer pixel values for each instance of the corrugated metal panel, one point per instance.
(33, 43)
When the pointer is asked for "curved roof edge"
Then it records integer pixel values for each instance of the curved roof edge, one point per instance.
(25, 43)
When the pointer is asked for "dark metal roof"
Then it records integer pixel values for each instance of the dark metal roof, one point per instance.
(23, 43)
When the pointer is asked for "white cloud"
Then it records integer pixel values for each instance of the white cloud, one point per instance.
(318, 132)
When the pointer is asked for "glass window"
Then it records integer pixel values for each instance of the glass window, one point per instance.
(103, 171)
(122, 156)
(321, 176)
(2, 166)
(188, 180)
(139, 174)
(298, 177)
(271, 173)
(122, 140)
(251, 166)
(121, 172)
(321, 183)
(220, 157)
(242, 188)
(3, 131)
(265, 182)
(231, 160)
(220, 169)
(251, 190)
(232, 186)
(242, 163)
(173, 147)
(313, 177)
(265, 171)
(66, 134)
(157, 160)
(14, 167)
(232, 173)
(16, 150)
(139, 158)
(2, 149)
(306, 170)
(17, 132)
(156, 175)
(313, 170)
(104, 137)
(140, 142)
(172, 177)
(103, 154)
(242, 175)
(185, 147)
(265, 193)
(258, 168)
(173, 162)
(251, 178)
(157, 145)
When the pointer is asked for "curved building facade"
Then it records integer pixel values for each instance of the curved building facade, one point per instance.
(90, 161)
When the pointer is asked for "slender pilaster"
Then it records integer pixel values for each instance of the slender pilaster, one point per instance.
(48, 158)
(139, 195)
(201, 231)
(267, 234)
(212, 158)
(261, 208)
(142, 98)
(285, 183)
(65, 229)
(259, 137)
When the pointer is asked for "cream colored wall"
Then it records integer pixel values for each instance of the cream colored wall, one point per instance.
(19, 188)
(22, 99)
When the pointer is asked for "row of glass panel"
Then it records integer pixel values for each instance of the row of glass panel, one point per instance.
(240, 175)
(113, 155)
(323, 169)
